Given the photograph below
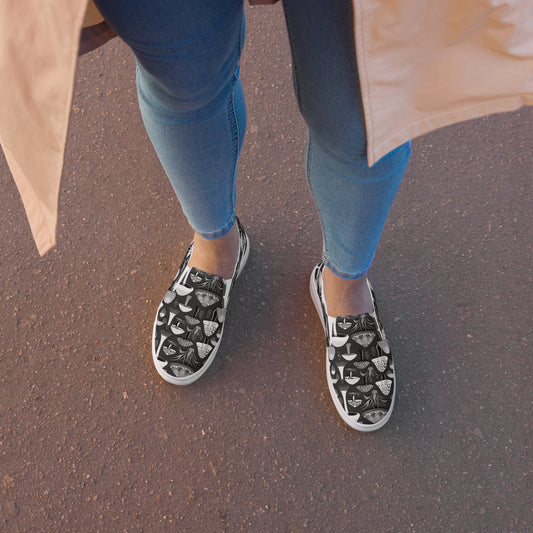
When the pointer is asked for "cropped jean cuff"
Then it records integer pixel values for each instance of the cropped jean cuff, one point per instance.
(219, 233)
(340, 274)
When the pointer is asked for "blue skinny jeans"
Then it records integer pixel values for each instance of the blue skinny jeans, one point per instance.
(191, 100)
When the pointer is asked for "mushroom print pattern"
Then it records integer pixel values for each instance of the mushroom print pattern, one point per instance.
(360, 368)
(189, 322)
(190, 319)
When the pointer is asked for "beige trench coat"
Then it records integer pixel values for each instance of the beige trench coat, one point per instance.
(422, 65)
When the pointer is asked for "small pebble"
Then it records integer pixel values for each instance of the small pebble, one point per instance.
(13, 508)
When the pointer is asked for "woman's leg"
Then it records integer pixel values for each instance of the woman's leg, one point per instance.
(353, 202)
(353, 199)
(191, 101)
(192, 104)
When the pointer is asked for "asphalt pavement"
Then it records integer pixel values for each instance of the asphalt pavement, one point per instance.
(91, 439)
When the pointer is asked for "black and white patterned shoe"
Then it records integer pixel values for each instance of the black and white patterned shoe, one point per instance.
(190, 319)
(359, 366)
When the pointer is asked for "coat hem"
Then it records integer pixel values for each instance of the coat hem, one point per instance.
(431, 123)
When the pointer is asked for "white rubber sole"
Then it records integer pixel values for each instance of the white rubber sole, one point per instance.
(188, 380)
(321, 310)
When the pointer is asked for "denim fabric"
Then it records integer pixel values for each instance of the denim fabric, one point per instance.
(353, 200)
(192, 104)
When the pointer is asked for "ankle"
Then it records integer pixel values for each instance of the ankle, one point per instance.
(346, 296)
(216, 256)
